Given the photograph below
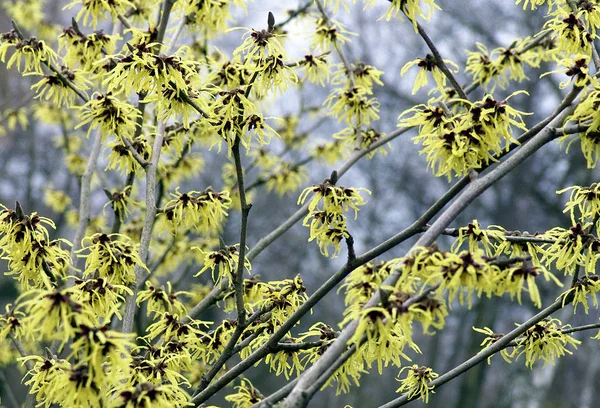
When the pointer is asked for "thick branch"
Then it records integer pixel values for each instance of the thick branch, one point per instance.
(149, 218)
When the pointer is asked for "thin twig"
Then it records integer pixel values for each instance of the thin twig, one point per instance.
(175, 38)
(21, 350)
(293, 15)
(162, 26)
(439, 61)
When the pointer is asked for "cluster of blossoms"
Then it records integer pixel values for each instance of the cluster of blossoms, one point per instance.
(203, 212)
(546, 341)
(222, 263)
(428, 65)
(34, 259)
(416, 383)
(465, 273)
(326, 219)
(469, 138)
(502, 65)
(34, 52)
(567, 250)
(586, 114)
(352, 103)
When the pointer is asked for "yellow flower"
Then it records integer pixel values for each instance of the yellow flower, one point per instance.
(331, 152)
(367, 137)
(587, 112)
(121, 202)
(430, 312)
(53, 314)
(567, 251)
(260, 45)
(204, 211)
(428, 64)
(576, 69)
(15, 117)
(222, 263)
(584, 288)
(273, 75)
(329, 32)
(411, 8)
(572, 36)
(58, 200)
(464, 274)
(481, 67)
(583, 200)
(209, 15)
(416, 383)
(121, 159)
(28, 13)
(85, 50)
(145, 394)
(103, 298)
(95, 10)
(104, 351)
(35, 52)
(112, 257)
(143, 71)
(545, 341)
(328, 226)
(316, 69)
(490, 339)
(535, 3)
(160, 300)
(362, 283)
(11, 322)
(52, 87)
(479, 238)
(353, 106)
(245, 395)
(285, 178)
(285, 362)
(512, 279)
(336, 4)
(42, 265)
(109, 114)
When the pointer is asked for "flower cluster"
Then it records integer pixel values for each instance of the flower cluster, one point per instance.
(35, 259)
(93, 11)
(470, 138)
(326, 219)
(35, 53)
(504, 64)
(584, 203)
(544, 341)
(222, 263)
(428, 65)
(572, 35)
(160, 300)
(84, 50)
(112, 257)
(209, 15)
(110, 115)
(586, 113)
(416, 383)
(201, 211)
